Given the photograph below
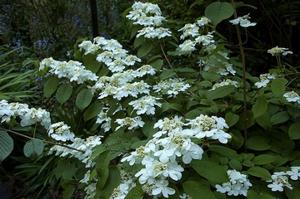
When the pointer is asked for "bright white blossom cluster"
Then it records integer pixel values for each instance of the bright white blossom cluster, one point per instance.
(129, 122)
(28, 116)
(191, 34)
(292, 96)
(279, 180)
(160, 156)
(238, 184)
(226, 82)
(148, 15)
(145, 105)
(243, 21)
(276, 51)
(72, 70)
(171, 87)
(265, 79)
(61, 132)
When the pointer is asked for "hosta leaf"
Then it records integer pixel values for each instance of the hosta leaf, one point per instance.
(218, 11)
(84, 98)
(33, 147)
(6, 145)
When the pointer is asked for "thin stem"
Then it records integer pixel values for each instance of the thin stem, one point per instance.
(242, 53)
(45, 141)
(167, 59)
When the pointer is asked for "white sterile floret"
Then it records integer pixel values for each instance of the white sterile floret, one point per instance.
(292, 96)
(294, 173)
(72, 70)
(238, 184)
(145, 105)
(61, 132)
(88, 47)
(187, 46)
(228, 70)
(203, 21)
(264, 80)
(189, 30)
(129, 122)
(171, 87)
(153, 32)
(226, 82)
(206, 40)
(104, 120)
(243, 21)
(278, 181)
(161, 188)
(144, 70)
(146, 14)
(5, 111)
(210, 127)
(279, 51)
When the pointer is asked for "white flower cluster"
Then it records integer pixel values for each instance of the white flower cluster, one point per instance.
(276, 51)
(61, 132)
(145, 105)
(292, 96)
(129, 122)
(238, 184)
(243, 21)
(279, 180)
(27, 115)
(72, 70)
(227, 70)
(84, 149)
(111, 53)
(265, 79)
(171, 87)
(159, 156)
(127, 183)
(226, 82)
(192, 32)
(148, 15)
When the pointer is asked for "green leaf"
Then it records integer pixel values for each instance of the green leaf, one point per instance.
(63, 93)
(231, 118)
(92, 111)
(112, 182)
(50, 86)
(280, 118)
(264, 159)
(210, 76)
(294, 131)
(144, 50)
(215, 173)
(219, 11)
(102, 168)
(135, 193)
(84, 98)
(196, 189)
(258, 143)
(260, 107)
(278, 86)
(6, 145)
(259, 172)
(220, 92)
(222, 150)
(157, 64)
(33, 147)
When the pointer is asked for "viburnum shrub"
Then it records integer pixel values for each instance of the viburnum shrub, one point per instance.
(182, 119)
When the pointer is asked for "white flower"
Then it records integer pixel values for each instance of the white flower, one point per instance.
(243, 21)
(153, 32)
(279, 181)
(238, 184)
(226, 82)
(189, 30)
(203, 21)
(171, 87)
(187, 46)
(131, 123)
(294, 173)
(292, 96)
(278, 50)
(264, 80)
(61, 132)
(226, 71)
(161, 187)
(145, 105)
(5, 111)
(104, 119)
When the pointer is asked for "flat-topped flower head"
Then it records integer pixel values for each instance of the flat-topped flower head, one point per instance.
(61, 132)
(226, 82)
(264, 80)
(243, 21)
(292, 96)
(279, 51)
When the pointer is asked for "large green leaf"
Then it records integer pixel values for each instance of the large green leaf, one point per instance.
(84, 98)
(6, 145)
(196, 189)
(231, 118)
(258, 143)
(219, 11)
(264, 159)
(278, 86)
(63, 93)
(260, 107)
(50, 86)
(92, 111)
(215, 173)
(102, 168)
(280, 117)
(220, 92)
(33, 147)
(144, 50)
(294, 131)
(259, 172)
